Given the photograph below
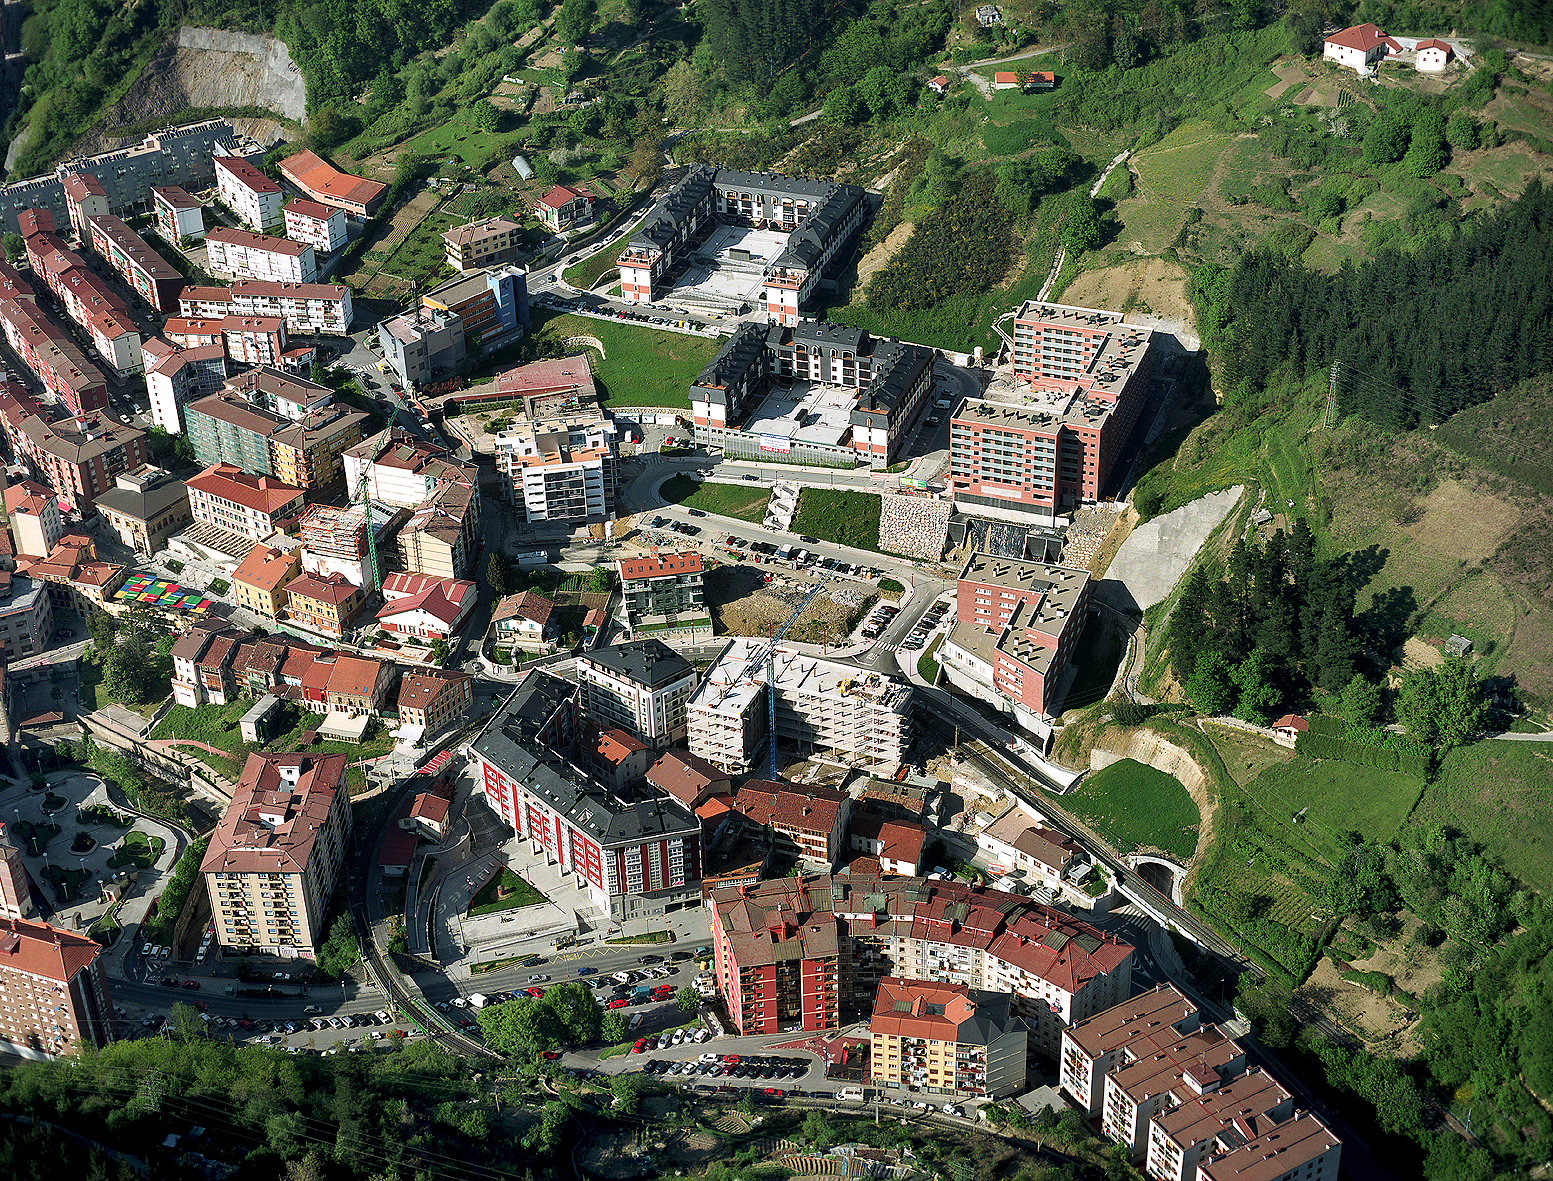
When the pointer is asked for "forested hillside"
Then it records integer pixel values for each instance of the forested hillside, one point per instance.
(1419, 336)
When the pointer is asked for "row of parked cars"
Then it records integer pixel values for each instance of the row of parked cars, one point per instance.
(669, 1038)
(879, 620)
(930, 619)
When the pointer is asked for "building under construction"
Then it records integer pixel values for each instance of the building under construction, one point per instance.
(334, 541)
(823, 708)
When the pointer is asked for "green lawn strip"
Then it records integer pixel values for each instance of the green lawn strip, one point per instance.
(640, 367)
(521, 893)
(217, 725)
(591, 269)
(1496, 792)
(1134, 806)
(727, 500)
(839, 515)
(649, 937)
(927, 666)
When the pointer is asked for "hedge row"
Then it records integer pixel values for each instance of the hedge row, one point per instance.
(1320, 746)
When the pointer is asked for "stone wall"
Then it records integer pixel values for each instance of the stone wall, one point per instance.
(916, 526)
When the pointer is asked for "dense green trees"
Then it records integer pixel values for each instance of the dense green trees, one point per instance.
(1279, 622)
(563, 1016)
(962, 246)
(1418, 336)
(340, 950)
(1444, 704)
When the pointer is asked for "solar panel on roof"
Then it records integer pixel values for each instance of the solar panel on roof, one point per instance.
(1089, 943)
(1056, 940)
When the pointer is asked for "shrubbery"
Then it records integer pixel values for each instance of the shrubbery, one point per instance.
(963, 246)
(158, 928)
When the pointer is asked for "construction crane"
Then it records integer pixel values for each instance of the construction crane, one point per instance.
(370, 576)
(770, 663)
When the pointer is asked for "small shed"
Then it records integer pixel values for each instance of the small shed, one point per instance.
(257, 724)
(938, 85)
(1458, 646)
(1005, 80)
(1288, 728)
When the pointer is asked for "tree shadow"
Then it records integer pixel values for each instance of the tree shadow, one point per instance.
(1358, 567)
(1387, 617)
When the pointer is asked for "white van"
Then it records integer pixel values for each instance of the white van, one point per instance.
(853, 1093)
(622, 977)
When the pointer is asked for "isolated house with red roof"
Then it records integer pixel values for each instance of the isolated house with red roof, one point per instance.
(1433, 55)
(1356, 47)
(563, 207)
(431, 608)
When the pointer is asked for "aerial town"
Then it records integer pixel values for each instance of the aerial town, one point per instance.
(620, 616)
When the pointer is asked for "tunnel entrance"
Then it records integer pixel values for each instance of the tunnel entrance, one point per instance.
(1158, 876)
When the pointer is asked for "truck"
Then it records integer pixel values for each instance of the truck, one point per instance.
(641, 992)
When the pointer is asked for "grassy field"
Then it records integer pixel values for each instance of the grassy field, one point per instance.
(458, 140)
(746, 502)
(520, 894)
(419, 258)
(591, 269)
(1173, 176)
(640, 367)
(833, 514)
(139, 850)
(1134, 806)
(1499, 793)
(217, 725)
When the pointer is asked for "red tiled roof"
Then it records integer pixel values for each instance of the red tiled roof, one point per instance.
(246, 174)
(430, 807)
(1435, 43)
(354, 676)
(320, 178)
(270, 827)
(656, 566)
(1291, 722)
(333, 590)
(264, 494)
(45, 950)
(253, 241)
(561, 195)
(530, 605)
(684, 776)
(265, 568)
(1363, 37)
(444, 599)
(810, 809)
(316, 210)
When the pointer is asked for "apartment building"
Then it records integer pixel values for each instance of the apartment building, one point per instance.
(324, 604)
(145, 507)
(564, 207)
(47, 349)
(178, 215)
(242, 503)
(1299, 1149)
(946, 1039)
(434, 700)
(142, 269)
(170, 155)
(275, 856)
(307, 308)
(358, 687)
(228, 428)
(423, 345)
(890, 380)
(259, 583)
(442, 535)
(1146, 1083)
(559, 467)
(328, 186)
(613, 757)
(32, 512)
(16, 901)
(334, 541)
(637, 852)
(85, 296)
(247, 192)
(246, 255)
(1047, 441)
(1093, 1048)
(489, 304)
(76, 580)
(425, 607)
(897, 844)
(26, 616)
(1016, 626)
(402, 469)
(689, 780)
(1214, 1122)
(865, 928)
(320, 226)
(54, 995)
(266, 388)
(818, 216)
(178, 374)
(658, 586)
(641, 686)
(85, 198)
(488, 243)
(78, 465)
(808, 821)
(262, 341)
(863, 718)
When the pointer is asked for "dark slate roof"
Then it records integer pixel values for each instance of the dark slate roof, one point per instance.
(806, 244)
(744, 348)
(643, 662)
(662, 221)
(993, 1018)
(896, 367)
(510, 741)
(775, 182)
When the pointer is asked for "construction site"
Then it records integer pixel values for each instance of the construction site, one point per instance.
(825, 710)
(742, 603)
